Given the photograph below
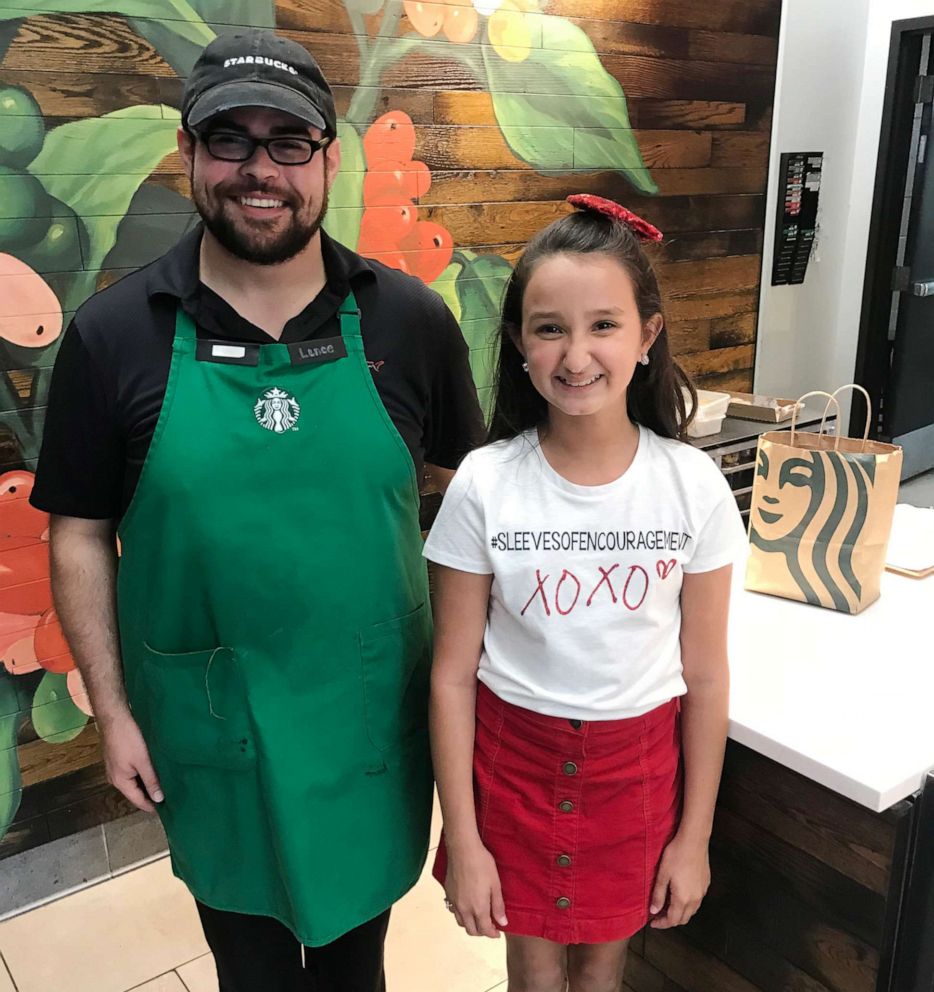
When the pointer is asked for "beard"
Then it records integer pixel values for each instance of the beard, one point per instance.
(255, 241)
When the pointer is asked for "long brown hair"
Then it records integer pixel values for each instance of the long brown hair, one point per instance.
(654, 398)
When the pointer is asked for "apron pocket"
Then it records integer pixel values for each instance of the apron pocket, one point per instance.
(396, 657)
(195, 708)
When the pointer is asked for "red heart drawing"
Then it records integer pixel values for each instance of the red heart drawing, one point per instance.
(664, 568)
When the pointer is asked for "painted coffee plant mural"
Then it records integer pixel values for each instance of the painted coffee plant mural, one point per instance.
(463, 126)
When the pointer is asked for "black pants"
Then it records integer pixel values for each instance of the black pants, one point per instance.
(259, 954)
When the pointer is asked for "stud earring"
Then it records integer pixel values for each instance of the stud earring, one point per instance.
(644, 360)
(525, 366)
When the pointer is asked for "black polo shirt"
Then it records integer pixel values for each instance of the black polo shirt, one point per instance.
(110, 376)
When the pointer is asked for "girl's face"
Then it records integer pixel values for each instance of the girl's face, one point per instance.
(582, 334)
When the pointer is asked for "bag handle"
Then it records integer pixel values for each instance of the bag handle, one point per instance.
(831, 398)
(852, 385)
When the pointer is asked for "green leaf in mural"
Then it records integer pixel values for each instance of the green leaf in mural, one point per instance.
(8, 31)
(345, 202)
(561, 111)
(480, 287)
(236, 13)
(10, 787)
(10, 784)
(156, 219)
(95, 166)
(446, 287)
(221, 16)
(55, 717)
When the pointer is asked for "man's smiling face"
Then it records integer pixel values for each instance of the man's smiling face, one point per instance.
(259, 210)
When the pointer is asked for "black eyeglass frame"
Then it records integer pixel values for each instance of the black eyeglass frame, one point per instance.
(313, 145)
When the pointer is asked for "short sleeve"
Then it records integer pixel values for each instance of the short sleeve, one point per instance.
(81, 463)
(721, 540)
(458, 536)
(455, 423)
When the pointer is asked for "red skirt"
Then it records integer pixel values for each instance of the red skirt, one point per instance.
(576, 816)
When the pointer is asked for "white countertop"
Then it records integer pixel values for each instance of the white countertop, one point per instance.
(846, 700)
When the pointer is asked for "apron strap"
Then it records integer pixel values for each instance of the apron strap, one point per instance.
(349, 316)
(184, 326)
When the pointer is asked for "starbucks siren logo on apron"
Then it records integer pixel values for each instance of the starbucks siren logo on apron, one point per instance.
(277, 411)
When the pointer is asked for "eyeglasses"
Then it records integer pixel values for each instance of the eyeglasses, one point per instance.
(230, 147)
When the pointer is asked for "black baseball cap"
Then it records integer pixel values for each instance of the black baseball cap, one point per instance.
(257, 68)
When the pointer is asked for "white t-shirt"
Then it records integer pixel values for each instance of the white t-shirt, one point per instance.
(585, 612)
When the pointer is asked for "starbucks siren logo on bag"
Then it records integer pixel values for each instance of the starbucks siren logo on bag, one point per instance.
(820, 516)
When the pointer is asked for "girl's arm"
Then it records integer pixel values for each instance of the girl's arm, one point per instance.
(472, 883)
(684, 872)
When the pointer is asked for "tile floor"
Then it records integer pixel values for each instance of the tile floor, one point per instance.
(139, 931)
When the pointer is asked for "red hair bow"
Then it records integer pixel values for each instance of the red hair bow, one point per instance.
(598, 204)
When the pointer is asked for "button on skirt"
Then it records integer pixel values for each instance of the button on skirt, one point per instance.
(576, 815)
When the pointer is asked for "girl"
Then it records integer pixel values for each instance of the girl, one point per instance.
(584, 573)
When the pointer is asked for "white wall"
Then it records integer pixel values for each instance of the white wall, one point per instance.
(833, 60)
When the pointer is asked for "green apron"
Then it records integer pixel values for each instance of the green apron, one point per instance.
(275, 629)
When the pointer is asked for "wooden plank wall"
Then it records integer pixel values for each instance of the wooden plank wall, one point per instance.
(800, 897)
(698, 76)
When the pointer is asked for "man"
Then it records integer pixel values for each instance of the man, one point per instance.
(258, 664)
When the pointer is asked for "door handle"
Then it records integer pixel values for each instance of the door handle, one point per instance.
(923, 288)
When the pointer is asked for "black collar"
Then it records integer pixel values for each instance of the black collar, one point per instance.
(176, 274)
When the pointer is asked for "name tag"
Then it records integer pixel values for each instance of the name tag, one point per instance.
(226, 353)
(317, 350)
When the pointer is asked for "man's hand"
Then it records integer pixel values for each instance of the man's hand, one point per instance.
(84, 584)
(129, 767)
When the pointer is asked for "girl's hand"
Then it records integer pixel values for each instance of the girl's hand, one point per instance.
(472, 887)
(682, 881)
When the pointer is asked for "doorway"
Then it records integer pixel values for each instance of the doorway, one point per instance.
(895, 357)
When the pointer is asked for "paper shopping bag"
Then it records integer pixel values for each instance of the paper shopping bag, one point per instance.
(821, 514)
